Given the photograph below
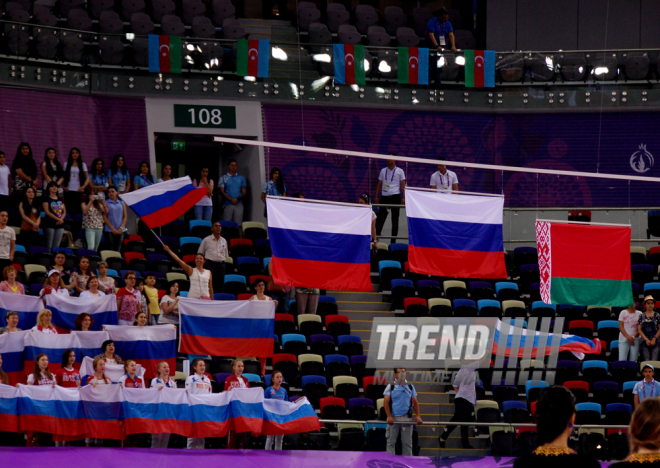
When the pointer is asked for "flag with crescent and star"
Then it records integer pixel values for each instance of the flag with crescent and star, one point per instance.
(413, 65)
(164, 54)
(479, 68)
(252, 58)
(349, 64)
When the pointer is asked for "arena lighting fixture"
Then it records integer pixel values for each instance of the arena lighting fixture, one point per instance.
(318, 84)
(323, 58)
(199, 49)
(189, 59)
(384, 67)
(294, 90)
(355, 88)
(207, 65)
(441, 61)
(380, 90)
(460, 60)
(367, 66)
(599, 70)
(581, 69)
(549, 62)
(130, 36)
(250, 78)
(190, 47)
(279, 54)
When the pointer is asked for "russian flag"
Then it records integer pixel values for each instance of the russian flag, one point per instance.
(66, 309)
(162, 203)
(28, 308)
(227, 328)
(210, 414)
(54, 410)
(102, 407)
(247, 409)
(349, 64)
(8, 408)
(318, 245)
(12, 347)
(156, 411)
(283, 417)
(90, 342)
(147, 346)
(455, 235)
(112, 371)
(51, 345)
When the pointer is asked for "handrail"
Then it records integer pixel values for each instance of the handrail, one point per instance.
(469, 423)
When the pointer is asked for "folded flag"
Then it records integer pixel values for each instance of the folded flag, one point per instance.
(247, 410)
(413, 65)
(91, 342)
(584, 264)
(283, 417)
(12, 347)
(227, 328)
(162, 203)
(51, 345)
(66, 309)
(164, 54)
(210, 414)
(9, 408)
(54, 410)
(154, 411)
(252, 58)
(102, 408)
(349, 64)
(479, 68)
(27, 307)
(112, 371)
(318, 245)
(147, 346)
(455, 235)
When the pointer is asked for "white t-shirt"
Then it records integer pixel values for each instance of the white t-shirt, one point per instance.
(207, 200)
(74, 181)
(373, 215)
(50, 331)
(171, 317)
(198, 385)
(158, 383)
(93, 379)
(629, 322)
(6, 236)
(443, 181)
(391, 180)
(255, 298)
(43, 381)
(4, 180)
(88, 295)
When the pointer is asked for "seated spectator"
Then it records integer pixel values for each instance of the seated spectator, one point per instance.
(4, 379)
(260, 287)
(115, 220)
(93, 208)
(53, 222)
(108, 355)
(141, 319)
(236, 380)
(99, 377)
(274, 187)
(130, 379)
(65, 273)
(84, 322)
(649, 329)
(169, 305)
(144, 177)
(43, 322)
(11, 318)
(53, 284)
(198, 383)
(201, 280)
(82, 274)
(151, 295)
(644, 436)
(204, 208)
(106, 283)
(128, 300)
(40, 374)
(30, 212)
(68, 376)
(92, 289)
(10, 284)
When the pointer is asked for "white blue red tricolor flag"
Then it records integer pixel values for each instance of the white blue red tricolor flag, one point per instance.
(12, 348)
(164, 202)
(155, 411)
(318, 245)
(91, 342)
(455, 235)
(102, 407)
(147, 346)
(66, 309)
(27, 307)
(53, 346)
(283, 417)
(55, 410)
(227, 328)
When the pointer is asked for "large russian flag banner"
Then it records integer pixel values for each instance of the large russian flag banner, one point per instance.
(102, 408)
(66, 309)
(145, 345)
(162, 203)
(51, 345)
(27, 307)
(227, 328)
(210, 414)
(455, 235)
(12, 347)
(247, 409)
(8, 408)
(54, 410)
(112, 371)
(283, 417)
(154, 411)
(91, 342)
(317, 245)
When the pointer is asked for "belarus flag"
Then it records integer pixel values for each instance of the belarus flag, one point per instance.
(252, 58)
(413, 65)
(66, 309)
(349, 64)
(12, 346)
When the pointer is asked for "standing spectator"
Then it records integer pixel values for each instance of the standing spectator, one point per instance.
(98, 179)
(40, 374)
(76, 178)
(201, 280)
(10, 284)
(115, 220)
(141, 319)
(165, 174)
(644, 436)
(443, 179)
(233, 189)
(391, 189)
(161, 381)
(198, 384)
(31, 218)
(307, 300)
(118, 175)
(99, 377)
(400, 400)
(204, 207)
(5, 182)
(106, 283)
(93, 209)
(4, 379)
(648, 387)
(628, 333)
(649, 330)
(11, 318)
(128, 300)
(275, 392)
(144, 303)
(84, 321)
(81, 276)
(214, 249)
(51, 170)
(108, 353)
(65, 273)
(151, 294)
(131, 379)
(169, 305)
(53, 285)
(464, 401)
(144, 177)
(275, 186)
(236, 380)
(7, 241)
(364, 200)
(92, 289)
(53, 223)
(44, 324)
(23, 170)
(67, 376)
(439, 32)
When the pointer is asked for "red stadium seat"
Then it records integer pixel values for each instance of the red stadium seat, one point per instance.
(335, 318)
(284, 317)
(254, 278)
(235, 242)
(244, 297)
(580, 389)
(189, 258)
(284, 357)
(161, 293)
(133, 237)
(128, 256)
(415, 306)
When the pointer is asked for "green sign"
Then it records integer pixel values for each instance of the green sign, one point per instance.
(204, 116)
(178, 146)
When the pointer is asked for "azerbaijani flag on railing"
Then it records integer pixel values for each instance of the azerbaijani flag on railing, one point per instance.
(145, 345)
(479, 68)
(27, 307)
(413, 65)
(283, 417)
(12, 347)
(252, 58)
(455, 235)
(162, 203)
(8, 408)
(155, 411)
(349, 64)
(66, 309)
(51, 345)
(584, 264)
(164, 54)
(91, 342)
(54, 410)
(317, 245)
(102, 407)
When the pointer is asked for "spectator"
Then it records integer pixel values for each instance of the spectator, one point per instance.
(7, 240)
(648, 387)
(53, 223)
(443, 179)
(67, 376)
(204, 208)
(365, 200)
(40, 374)
(275, 392)
(118, 175)
(649, 330)
(5, 182)
(162, 380)
(555, 416)
(106, 283)
(128, 300)
(236, 380)
(10, 284)
(282, 292)
(115, 220)
(151, 293)
(99, 377)
(141, 319)
(93, 209)
(84, 322)
(51, 170)
(98, 180)
(92, 289)
(214, 248)
(464, 401)
(628, 333)
(391, 188)
(169, 305)
(23, 170)
(165, 174)
(644, 436)
(307, 300)
(198, 384)
(31, 218)
(11, 318)
(144, 177)
(76, 179)
(439, 31)
(54, 284)
(233, 189)
(201, 280)
(400, 400)
(260, 288)
(108, 354)
(60, 260)
(274, 187)
(139, 285)
(4, 379)
(82, 274)
(130, 379)
(44, 324)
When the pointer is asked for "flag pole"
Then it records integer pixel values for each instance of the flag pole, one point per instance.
(156, 236)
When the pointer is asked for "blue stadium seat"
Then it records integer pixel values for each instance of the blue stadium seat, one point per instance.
(594, 371)
(608, 330)
(605, 392)
(618, 413)
(67, 251)
(515, 412)
(189, 240)
(224, 297)
(19, 248)
(183, 293)
(235, 278)
(530, 387)
(327, 299)
(489, 308)
(543, 305)
(588, 413)
(252, 377)
(647, 286)
(198, 222)
(387, 264)
(242, 260)
(266, 262)
(292, 337)
(465, 308)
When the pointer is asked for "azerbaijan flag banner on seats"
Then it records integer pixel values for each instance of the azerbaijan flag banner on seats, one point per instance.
(583, 264)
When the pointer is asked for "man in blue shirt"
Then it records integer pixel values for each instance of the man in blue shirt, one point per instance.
(440, 33)
(233, 189)
(402, 398)
(647, 388)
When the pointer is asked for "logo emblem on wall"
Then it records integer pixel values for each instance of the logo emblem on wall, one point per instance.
(641, 160)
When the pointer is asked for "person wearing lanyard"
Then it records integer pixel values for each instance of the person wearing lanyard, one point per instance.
(647, 388)
(443, 179)
(440, 32)
(118, 175)
(390, 191)
(99, 180)
(214, 249)
(399, 403)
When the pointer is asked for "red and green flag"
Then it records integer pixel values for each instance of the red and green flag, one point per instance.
(252, 58)
(584, 264)
(164, 54)
(479, 68)
(413, 65)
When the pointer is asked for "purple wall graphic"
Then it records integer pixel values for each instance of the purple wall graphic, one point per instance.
(616, 143)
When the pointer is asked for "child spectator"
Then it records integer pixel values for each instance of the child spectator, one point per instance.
(198, 384)
(275, 392)
(169, 305)
(204, 208)
(53, 223)
(99, 377)
(151, 293)
(139, 285)
(141, 319)
(161, 381)
(40, 374)
(131, 379)
(236, 440)
(93, 209)
(68, 376)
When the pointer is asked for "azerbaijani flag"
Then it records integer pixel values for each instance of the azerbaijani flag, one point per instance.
(584, 264)
(317, 245)
(164, 54)
(55, 410)
(27, 307)
(479, 68)
(413, 65)
(147, 346)
(283, 417)
(162, 203)
(66, 309)
(155, 411)
(349, 64)
(455, 235)
(252, 58)
(12, 346)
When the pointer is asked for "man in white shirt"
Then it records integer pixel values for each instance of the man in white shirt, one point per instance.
(390, 191)
(214, 249)
(444, 180)
(5, 182)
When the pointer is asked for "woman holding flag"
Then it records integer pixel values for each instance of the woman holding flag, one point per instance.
(43, 322)
(201, 280)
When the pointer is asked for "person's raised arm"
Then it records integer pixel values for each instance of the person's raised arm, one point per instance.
(87, 206)
(187, 268)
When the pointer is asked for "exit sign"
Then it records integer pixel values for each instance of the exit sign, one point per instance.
(204, 116)
(178, 146)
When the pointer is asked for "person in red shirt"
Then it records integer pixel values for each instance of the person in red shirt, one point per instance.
(67, 376)
(236, 440)
(131, 379)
